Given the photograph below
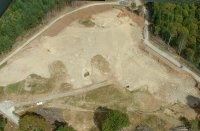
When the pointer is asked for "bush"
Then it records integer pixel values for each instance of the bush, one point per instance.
(140, 10)
(110, 120)
(32, 122)
(63, 126)
(115, 121)
(190, 124)
(3, 122)
(133, 5)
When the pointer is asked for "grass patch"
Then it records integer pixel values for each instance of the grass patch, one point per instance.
(38, 84)
(109, 96)
(87, 23)
(1, 91)
(34, 84)
(15, 88)
(155, 123)
(2, 65)
(103, 94)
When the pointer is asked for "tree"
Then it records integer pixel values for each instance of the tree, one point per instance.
(32, 122)
(63, 126)
(192, 125)
(178, 24)
(21, 16)
(182, 39)
(110, 120)
(133, 5)
(3, 122)
(115, 121)
(140, 10)
(189, 54)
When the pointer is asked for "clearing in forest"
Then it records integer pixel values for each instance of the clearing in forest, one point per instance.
(97, 45)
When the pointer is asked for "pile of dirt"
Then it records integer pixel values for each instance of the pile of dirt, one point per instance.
(58, 75)
(122, 14)
(101, 63)
(87, 22)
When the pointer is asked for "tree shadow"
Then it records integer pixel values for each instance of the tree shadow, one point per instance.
(57, 124)
(31, 114)
(194, 103)
(100, 116)
(62, 126)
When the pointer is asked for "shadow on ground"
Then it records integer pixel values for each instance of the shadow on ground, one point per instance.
(194, 103)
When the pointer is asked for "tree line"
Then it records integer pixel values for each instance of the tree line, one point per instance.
(21, 16)
(178, 24)
(104, 118)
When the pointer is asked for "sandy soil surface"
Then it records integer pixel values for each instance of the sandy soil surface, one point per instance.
(109, 50)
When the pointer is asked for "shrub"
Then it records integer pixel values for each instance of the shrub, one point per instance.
(32, 122)
(110, 120)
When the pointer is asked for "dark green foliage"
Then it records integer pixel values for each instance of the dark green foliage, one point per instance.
(3, 122)
(21, 16)
(192, 125)
(140, 10)
(181, 22)
(133, 5)
(63, 126)
(115, 121)
(100, 116)
(32, 122)
(110, 120)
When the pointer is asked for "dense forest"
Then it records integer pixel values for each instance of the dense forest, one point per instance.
(21, 16)
(4, 5)
(178, 24)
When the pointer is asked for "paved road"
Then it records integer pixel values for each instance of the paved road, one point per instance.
(49, 25)
(7, 108)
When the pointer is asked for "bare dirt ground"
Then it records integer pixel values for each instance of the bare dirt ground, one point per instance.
(111, 49)
(114, 39)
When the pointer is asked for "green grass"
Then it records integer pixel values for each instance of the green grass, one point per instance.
(103, 94)
(155, 123)
(87, 23)
(1, 91)
(109, 96)
(38, 84)
(15, 88)
(4, 64)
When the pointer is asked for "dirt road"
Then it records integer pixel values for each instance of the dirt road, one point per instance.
(111, 48)
(70, 93)
(7, 107)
